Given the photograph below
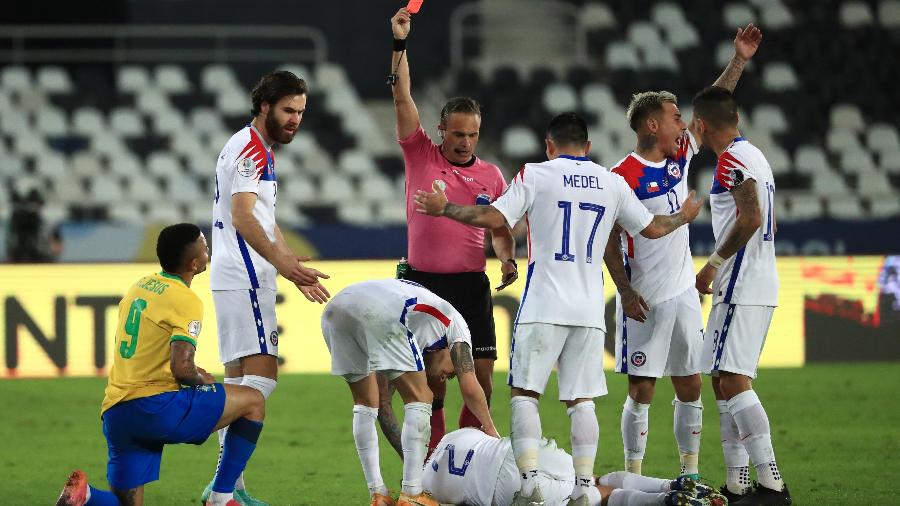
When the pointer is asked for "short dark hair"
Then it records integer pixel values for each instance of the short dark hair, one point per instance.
(274, 86)
(464, 105)
(716, 106)
(646, 103)
(568, 129)
(173, 244)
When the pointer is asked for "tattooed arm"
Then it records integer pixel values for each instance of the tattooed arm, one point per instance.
(632, 303)
(436, 204)
(386, 417)
(472, 393)
(663, 224)
(183, 368)
(746, 42)
(749, 219)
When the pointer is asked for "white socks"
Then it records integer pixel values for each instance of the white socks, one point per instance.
(688, 425)
(414, 439)
(631, 481)
(737, 461)
(635, 426)
(753, 426)
(526, 436)
(622, 497)
(585, 434)
(366, 438)
(239, 483)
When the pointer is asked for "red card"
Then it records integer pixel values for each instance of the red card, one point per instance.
(414, 5)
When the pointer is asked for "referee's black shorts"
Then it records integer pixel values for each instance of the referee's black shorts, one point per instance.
(470, 294)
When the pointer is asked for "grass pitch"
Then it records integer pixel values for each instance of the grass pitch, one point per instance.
(836, 430)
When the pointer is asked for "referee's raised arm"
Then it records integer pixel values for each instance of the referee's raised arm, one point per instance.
(407, 114)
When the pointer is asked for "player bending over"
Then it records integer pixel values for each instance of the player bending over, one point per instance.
(402, 331)
(156, 395)
(470, 467)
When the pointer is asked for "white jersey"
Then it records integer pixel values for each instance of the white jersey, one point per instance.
(748, 277)
(659, 269)
(245, 164)
(570, 205)
(465, 467)
(427, 321)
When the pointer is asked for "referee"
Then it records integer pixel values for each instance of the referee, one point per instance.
(445, 256)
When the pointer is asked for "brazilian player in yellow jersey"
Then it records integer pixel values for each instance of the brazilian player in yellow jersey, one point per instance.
(156, 394)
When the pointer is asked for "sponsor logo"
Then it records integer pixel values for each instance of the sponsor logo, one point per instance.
(638, 358)
(273, 338)
(194, 328)
(673, 169)
(246, 167)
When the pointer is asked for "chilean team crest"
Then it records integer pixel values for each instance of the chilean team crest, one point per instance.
(638, 358)
(674, 169)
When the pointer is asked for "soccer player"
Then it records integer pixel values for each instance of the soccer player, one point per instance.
(570, 205)
(156, 395)
(741, 277)
(446, 257)
(403, 331)
(470, 467)
(658, 309)
(250, 250)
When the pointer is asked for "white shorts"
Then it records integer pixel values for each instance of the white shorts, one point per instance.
(556, 470)
(734, 338)
(360, 346)
(667, 344)
(246, 323)
(577, 353)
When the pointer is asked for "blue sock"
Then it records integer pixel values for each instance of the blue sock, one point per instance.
(102, 498)
(240, 441)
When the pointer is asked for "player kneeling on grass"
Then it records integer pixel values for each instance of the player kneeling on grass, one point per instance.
(156, 395)
(403, 331)
(469, 467)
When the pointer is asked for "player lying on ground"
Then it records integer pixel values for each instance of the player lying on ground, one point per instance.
(470, 467)
(156, 395)
(403, 331)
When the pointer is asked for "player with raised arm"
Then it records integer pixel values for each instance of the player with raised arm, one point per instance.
(401, 330)
(156, 395)
(659, 322)
(250, 250)
(742, 279)
(446, 257)
(570, 205)
(472, 468)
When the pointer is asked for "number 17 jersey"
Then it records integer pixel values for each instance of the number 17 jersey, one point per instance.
(570, 205)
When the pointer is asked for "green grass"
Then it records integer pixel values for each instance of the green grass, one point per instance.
(836, 430)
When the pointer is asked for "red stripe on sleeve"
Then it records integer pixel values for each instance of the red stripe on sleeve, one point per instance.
(433, 311)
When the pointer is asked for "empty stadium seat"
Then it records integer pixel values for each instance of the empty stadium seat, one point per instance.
(163, 164)
(775, 15)
(377, 188)
(810, 159)
(16, 78)
(126, 212)
(769, 118)
(622, 55)
(738, 15)
(51, 122)
(291, 216)
(86, 163)
(873, 184)
(151, 100)
(519, 141)
(391, 212)
(596, 15)
(104, 189)
(847, 208)
(856, 161)
(53, 79)
(88, 121)
(839, 139)
(50, 164)
(889, 13)
(667, 13)
(356, 162)
(889, 161)
(216, 78)
(884, 207)
(334, 188)
(882, 137)
(132, 79)
(805, 207)
(847, 116)
(780, 77)
(355, 213)
(827, 182)
(856, 15)
(171, 79)
(126, 122)
(560, 97)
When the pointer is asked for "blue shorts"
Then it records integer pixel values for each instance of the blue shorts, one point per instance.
(137, 430)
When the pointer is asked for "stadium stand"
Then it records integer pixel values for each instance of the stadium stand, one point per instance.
(111, 142)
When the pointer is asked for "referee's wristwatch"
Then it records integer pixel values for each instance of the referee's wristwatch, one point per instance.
(512, 261)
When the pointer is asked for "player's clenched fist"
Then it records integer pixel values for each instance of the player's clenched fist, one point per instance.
(400, 24)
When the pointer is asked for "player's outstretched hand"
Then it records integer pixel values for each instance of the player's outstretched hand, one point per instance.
(634, 305)
(510, 275)
(432, 204)
(746, 41)
(401, 23)
(691, 207)
(315, 293)
(309, 276)
(705, 278)
(208, 378)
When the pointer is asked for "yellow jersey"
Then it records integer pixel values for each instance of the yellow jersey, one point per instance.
(158, 309)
